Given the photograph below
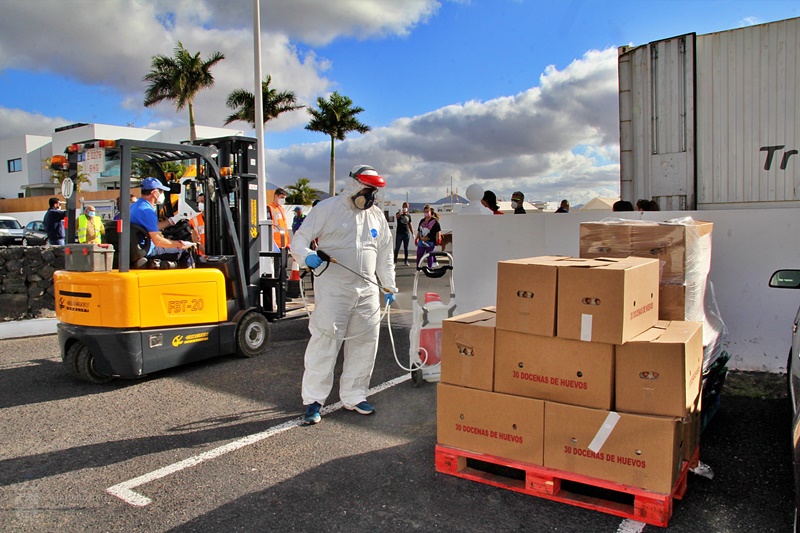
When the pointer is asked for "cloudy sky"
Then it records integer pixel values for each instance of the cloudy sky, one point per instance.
(511, 94)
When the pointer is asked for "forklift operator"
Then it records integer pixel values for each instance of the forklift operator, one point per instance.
(143, 213)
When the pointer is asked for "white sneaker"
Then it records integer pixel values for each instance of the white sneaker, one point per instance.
(435, 264)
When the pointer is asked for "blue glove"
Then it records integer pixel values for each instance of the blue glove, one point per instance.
(313, 260)
(388, 298)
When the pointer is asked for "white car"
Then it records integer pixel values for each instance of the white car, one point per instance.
(11, 231)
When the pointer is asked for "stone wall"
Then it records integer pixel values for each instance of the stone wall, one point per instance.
(26, 281)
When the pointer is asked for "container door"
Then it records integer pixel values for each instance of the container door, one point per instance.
(657, 110)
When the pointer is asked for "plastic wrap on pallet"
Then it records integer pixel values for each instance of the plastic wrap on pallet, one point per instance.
(683, 248)
(696, 260)
(714, 329)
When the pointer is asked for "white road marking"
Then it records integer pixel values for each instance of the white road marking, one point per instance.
(124, 490)
(631, 526)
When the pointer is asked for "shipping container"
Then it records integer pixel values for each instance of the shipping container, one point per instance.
(709, 121)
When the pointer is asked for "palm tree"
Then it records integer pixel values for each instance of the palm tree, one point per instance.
(300, 193)
(243, 102)
(336, 117)
(179, 79)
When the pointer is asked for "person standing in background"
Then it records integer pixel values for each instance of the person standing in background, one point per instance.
(404, 231)
(90, 227)
(426, 236)
(198, 225)
(517, 199)
(280, 230)
(622, 205)
(299, 217)
(53, 222)
(564, 207)
(489, 201)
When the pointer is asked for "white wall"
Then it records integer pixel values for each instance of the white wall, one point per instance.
(28, 148)
(748, 246)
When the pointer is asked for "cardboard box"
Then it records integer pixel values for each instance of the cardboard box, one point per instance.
(468, 350)
(479, 421)
(683, 250)
(660, 371)
(636, 450)
(671, 302)
(549, 368)
(88, 257)
(692, 424)
(608, 300)
(526, 295)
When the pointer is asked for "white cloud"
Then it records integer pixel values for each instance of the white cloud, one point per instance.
(557, 140)
(14, 122)
(111, 43)
(526, 142)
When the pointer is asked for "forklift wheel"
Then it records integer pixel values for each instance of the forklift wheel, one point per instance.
(80, 362)
(416, 377)
(252, 335)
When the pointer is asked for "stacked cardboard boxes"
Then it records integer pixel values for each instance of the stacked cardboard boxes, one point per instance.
(574, 372)
(683, 250)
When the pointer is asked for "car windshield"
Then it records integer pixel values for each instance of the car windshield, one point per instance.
(10, 224)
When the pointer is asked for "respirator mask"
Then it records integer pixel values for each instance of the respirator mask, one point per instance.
(365, 198)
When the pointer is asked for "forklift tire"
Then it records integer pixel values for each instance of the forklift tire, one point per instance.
(252, 335)
(80, 362)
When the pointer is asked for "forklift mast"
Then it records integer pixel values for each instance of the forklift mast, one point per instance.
(240, 156)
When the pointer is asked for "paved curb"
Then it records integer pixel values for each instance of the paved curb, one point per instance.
(28, 328)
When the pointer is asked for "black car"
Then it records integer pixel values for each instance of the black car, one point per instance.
(790, 279)
(10, 231)
(34, 234)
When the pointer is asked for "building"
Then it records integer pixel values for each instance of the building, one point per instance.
(24, 174)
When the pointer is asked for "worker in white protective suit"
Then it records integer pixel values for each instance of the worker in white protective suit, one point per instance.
(352, 230)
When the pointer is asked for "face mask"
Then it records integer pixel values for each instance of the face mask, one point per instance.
(281, 201)
(405, 210)
(201, 206)
(364, 199)
(90, 213)
(514, 205)
(159, 198)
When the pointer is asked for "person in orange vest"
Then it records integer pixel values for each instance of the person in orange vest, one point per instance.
(280, 230)
(198, 224)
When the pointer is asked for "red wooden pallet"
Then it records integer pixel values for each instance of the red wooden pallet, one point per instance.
(649, 507)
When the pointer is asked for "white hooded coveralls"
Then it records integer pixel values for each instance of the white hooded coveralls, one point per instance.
(345, 305)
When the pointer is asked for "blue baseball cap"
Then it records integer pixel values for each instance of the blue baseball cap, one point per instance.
(152, 183)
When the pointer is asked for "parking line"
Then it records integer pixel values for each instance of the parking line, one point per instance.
(125, 492)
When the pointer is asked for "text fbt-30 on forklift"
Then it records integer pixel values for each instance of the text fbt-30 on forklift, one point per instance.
(138, 315)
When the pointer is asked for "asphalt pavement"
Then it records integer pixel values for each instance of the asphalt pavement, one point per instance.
(217, 446)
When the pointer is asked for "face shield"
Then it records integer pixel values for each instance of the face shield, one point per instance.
(363, 188)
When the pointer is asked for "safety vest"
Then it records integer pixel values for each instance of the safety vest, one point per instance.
(83, 229)
(280, 233)
(199, 225)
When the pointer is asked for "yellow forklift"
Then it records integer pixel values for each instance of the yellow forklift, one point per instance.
(130, 316)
